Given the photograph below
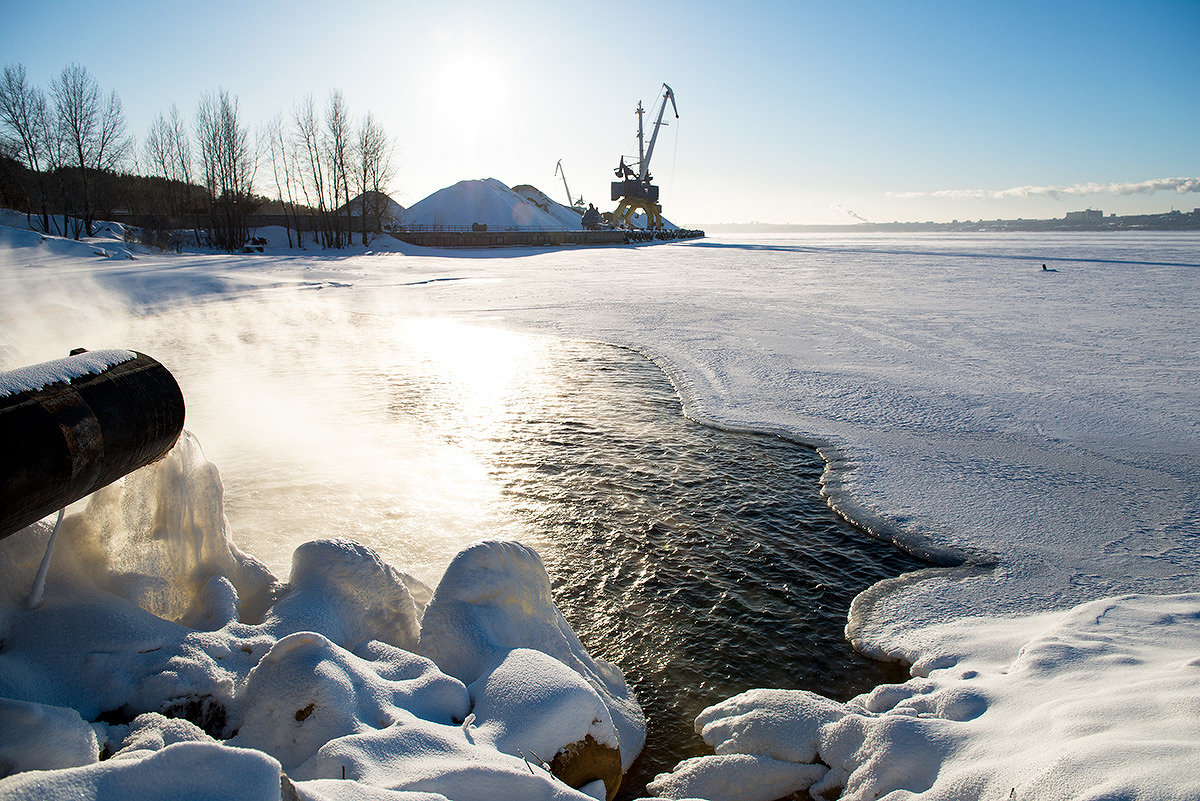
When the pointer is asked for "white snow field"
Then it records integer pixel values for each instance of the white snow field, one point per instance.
(1041, 429)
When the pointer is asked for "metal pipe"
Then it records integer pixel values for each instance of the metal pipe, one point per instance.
(74, 425)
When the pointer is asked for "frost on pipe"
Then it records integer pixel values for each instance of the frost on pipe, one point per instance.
(74, 425)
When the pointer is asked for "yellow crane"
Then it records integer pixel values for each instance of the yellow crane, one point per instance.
(635, 191)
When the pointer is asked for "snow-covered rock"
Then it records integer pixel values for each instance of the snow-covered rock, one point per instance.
(495, 598)
(183, 770)
(347, 593)
(307, 691)
(326, 685)
(41, 737)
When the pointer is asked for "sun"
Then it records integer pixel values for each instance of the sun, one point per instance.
(470, 82)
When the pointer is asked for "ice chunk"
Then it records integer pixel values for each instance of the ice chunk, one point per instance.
(784, 724)
(158, 536)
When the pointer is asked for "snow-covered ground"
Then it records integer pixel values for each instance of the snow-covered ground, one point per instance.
(1040, 428)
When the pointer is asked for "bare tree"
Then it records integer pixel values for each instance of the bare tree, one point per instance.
(310, 149)
(281, 167)
(168, 153)
(228, 164)
(337, 143)
(90, 127)
(157, 158)
(23, 114)
(372, 169)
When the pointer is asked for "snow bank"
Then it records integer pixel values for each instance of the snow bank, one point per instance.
(149, 629)
(1097, 701)
(485, 201)
(105, 244)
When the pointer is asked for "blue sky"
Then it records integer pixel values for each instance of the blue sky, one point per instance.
(790, 112)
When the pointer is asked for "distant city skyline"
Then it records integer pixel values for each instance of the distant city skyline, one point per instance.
(789, 112)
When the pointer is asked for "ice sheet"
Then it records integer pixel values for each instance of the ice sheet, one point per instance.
(1041, 427)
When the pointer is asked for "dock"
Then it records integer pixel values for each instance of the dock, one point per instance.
(465, 237)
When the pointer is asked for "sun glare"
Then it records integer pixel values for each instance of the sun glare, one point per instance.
(469, 85)
(478, 367)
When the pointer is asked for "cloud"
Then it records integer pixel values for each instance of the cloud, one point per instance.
(1179, 185)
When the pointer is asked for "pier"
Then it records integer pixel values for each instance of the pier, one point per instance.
(480, 237)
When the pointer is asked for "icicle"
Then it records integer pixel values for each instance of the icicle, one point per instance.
(39, 583)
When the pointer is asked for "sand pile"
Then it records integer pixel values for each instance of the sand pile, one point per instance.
(488, 202)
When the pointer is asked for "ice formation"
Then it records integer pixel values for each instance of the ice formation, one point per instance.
(162, 647)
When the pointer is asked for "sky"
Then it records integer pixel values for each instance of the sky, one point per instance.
(790, 112)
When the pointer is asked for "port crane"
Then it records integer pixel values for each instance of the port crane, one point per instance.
(559, 168)
(635, 191)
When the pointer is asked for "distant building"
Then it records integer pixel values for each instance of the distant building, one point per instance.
(1088, 216)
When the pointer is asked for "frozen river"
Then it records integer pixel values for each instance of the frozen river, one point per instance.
(1043, 426)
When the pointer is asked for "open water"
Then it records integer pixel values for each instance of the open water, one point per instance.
(701, 562)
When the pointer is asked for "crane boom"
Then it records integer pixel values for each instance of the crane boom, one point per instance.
(570, 201)
(644, 175)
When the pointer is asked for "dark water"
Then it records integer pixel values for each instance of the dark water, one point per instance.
(701, 562)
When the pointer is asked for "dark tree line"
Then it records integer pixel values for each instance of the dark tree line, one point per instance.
(65, 156)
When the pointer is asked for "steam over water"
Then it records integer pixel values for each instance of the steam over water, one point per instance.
(701, 562)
